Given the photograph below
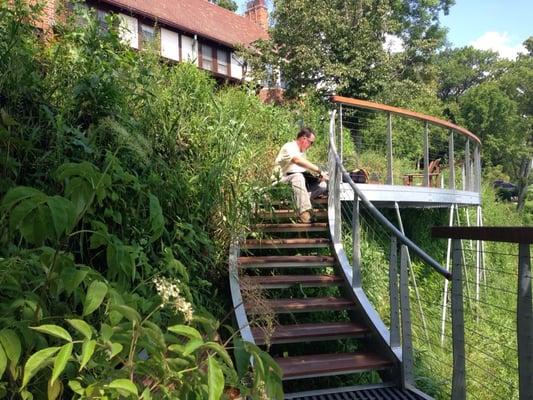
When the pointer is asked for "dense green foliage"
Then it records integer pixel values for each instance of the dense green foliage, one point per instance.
(339, 46)
(122, 180)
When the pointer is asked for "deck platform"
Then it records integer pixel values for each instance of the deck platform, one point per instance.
(384, 196)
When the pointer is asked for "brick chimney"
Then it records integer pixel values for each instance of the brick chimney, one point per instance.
(48, 14)
(257, 11)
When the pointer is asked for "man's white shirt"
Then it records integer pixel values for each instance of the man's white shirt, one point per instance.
(287, 152)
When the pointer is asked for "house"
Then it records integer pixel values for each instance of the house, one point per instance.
(195, 31)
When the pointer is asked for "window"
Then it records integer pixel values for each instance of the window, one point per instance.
(222, 62)
(147, 35)
(207, 57)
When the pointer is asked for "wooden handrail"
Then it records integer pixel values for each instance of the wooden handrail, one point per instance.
(406, 113)
(509, 234)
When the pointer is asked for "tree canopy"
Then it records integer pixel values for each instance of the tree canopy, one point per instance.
(340, 46)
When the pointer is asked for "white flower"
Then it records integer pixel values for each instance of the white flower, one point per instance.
(170, 295)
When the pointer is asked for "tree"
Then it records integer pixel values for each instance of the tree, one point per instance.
(506, 136)
(517, 83)
(228, 4)
(338, 45)
(462, 68)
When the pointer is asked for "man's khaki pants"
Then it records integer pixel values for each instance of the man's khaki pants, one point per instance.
(302, 197)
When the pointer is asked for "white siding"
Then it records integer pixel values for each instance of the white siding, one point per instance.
(170, 47)
(236, 66)
(129, 31)
(189, 49)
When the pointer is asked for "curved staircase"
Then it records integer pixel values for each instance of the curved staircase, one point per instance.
(287, 273)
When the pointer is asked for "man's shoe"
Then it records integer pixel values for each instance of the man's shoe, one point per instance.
(305, 217)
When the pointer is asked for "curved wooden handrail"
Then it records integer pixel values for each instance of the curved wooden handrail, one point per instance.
(406, 113)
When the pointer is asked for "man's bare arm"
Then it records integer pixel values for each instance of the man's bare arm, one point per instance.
(302, 162)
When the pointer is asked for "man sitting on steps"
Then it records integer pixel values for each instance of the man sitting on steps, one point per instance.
(294, 169)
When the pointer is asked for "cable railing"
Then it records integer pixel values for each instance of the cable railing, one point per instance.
(401, 147)
(498, 310)
(380, 274)
(469, 335)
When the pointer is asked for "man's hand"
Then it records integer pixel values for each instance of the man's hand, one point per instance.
(324, 177)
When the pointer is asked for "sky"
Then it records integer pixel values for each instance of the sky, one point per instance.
(498, 25)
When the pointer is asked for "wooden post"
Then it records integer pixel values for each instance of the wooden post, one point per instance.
(524, 324)
(458, 324)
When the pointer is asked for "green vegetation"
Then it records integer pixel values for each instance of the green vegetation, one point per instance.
(122, 181)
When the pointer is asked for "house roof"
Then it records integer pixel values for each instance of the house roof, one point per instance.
(197, 17)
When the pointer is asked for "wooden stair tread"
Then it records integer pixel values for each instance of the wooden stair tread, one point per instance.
(285, 261)
(302, 305)
(289, 213)
(289, 227)
(310, 332)
(284, 281)
(285, 243)
(288, 203)
(329, 364)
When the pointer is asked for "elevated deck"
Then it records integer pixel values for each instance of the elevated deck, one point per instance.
(411, 196)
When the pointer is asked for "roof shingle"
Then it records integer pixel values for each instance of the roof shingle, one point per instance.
(197, 17)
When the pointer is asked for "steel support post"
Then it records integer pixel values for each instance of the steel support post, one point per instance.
(524, 323)
(458, 325)
(451, 161)
(356, 238)
(412, 273)
(393, 293)
(446, 282)
(426, 154)
(407, 342)
(390, 178)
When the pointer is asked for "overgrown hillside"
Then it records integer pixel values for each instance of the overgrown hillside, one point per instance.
(122, 179)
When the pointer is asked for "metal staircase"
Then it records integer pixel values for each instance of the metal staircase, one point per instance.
(294, 268)
(299, 291)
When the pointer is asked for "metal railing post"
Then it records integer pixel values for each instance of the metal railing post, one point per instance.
(393, 293)
(390, 178)
(468, 174)
(337, 187)
(356, 237)
(458, 326)
(477, 169)
(426, 153)
(341, 150)
(407, 342)
(451, 161)
(524, 323)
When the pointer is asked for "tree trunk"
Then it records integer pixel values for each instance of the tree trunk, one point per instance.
(523, 180)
